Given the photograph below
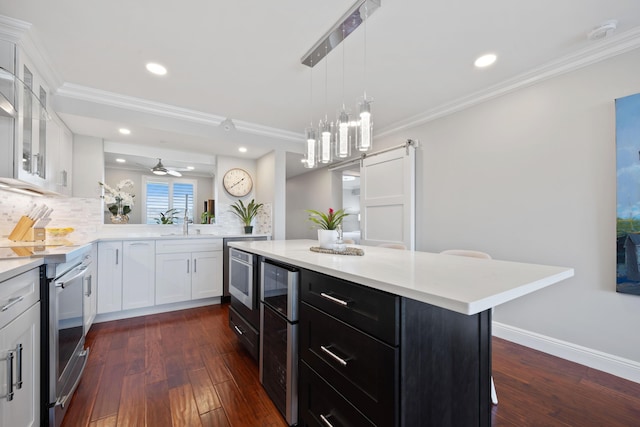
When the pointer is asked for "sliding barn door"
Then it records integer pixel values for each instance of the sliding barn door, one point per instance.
(387, 198)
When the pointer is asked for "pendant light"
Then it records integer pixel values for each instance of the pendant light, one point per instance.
(364, 134)
(343, 136)
(325, 127)
(310, 160)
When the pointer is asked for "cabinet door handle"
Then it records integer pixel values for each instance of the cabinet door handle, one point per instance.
(334, 299)
(10, 357)
(117, 256)
(19, 366)
(195, 265)
(88, 279)
(334, 356)
(12, 302)
(325, 420)
(187, 266)
(238, 330)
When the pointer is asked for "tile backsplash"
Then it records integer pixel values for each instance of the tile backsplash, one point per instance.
(84, 215)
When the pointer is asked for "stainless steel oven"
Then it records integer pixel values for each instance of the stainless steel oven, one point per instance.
(64, 342)
(279, 287)
(241, 278)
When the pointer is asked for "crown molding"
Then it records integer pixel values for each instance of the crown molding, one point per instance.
(97, 96)
(12, 29)
(599, 51)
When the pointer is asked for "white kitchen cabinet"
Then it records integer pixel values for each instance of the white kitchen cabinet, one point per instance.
(126, 274)
(138, 274)
(173, 272)
(188, 269)
(109, 277)
(20, 350)
(90, 304)
(206, 278)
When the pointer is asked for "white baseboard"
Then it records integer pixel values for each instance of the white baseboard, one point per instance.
(614, 365)
(156, 309)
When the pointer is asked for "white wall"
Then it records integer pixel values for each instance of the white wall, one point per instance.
(531, 176)
(224, 200)
(319, 190)
(88, 166)
(270, 189)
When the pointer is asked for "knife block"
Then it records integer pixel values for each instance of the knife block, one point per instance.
(34, 234)
(23, 226)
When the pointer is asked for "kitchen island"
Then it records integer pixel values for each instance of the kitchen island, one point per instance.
(398, 337)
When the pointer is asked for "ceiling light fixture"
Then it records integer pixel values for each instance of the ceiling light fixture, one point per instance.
(242, 149)
(157, 69)
(121, 160)
(336, 136)
(485, 60)
(325, 128)
(124, 131)
(310, 133)
(159, 169)
(604, 30)
(190, 168)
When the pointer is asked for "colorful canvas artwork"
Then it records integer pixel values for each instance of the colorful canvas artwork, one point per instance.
(628, 194)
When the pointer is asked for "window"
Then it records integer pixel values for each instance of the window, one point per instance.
(162, 194)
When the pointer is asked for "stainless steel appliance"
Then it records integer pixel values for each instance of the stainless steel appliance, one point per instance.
(244, 314)
(63, 337)
(225, 259)
(279, 287)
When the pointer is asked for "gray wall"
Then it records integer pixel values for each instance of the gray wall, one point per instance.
(531, 176)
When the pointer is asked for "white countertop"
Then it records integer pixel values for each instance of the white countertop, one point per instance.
(462, 284)
(13, 267)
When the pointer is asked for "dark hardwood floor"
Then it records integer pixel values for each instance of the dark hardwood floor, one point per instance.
(186, 368)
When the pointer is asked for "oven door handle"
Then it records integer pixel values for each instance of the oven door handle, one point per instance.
(70, 276)
(61, 402)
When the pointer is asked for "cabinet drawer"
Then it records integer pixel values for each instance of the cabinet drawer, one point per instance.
(168, 246)
(247, 335)
(18, 294)
(370, 310)
(318, 399)
(363, 368)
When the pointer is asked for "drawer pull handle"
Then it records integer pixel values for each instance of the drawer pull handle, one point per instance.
(325, 420)
(238, 330)
(334, 356)
(334, 299)
(12, 302)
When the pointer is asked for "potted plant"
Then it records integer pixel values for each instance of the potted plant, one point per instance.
(246, 213)
(327, 224)
(167, 217)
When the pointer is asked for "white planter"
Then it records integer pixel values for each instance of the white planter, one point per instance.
(327, 238)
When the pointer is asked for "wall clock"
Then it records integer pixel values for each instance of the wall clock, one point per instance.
(237, 182)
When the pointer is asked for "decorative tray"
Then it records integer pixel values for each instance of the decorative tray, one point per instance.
(347, 251)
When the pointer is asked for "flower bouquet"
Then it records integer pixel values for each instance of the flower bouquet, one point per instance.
(118, 201)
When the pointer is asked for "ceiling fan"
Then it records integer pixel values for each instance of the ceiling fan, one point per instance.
(160, 169)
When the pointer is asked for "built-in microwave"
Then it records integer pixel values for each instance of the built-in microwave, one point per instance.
(242, 277)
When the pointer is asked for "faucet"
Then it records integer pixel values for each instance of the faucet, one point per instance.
(185, 225)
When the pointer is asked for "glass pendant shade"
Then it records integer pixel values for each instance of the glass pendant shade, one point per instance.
(311, 154)
(326, 138)
(343, 136)
(364, 135)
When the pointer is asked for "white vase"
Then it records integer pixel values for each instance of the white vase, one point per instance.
(327, 238)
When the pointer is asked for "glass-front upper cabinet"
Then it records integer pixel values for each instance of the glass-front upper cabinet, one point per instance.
(31, 124)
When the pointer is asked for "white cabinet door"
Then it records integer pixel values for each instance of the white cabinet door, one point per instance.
(206, 278)
(173, 278)
(138, 274)
(90, 294)
(21, 338)
(109, 277)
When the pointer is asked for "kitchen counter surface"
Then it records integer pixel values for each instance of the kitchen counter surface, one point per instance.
(462, 284)
(13, 267)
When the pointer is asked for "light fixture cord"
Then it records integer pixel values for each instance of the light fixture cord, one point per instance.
(311, 95)
(364, 78)
(326, 81)
(343, 66)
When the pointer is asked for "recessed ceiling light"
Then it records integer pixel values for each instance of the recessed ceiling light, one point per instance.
(156, 69)
(190, 168)
(124, 131)
(242, 149)
(346, 178)
(485, 60)
(121, 161)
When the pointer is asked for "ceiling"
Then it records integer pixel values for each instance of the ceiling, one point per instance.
(240, 60)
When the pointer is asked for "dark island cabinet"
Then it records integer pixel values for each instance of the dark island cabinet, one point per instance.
(371, 358)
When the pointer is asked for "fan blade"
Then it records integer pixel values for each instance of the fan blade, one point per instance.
(173, 173)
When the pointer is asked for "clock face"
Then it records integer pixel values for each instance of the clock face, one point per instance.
(237, 182)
